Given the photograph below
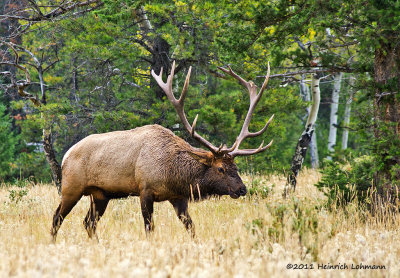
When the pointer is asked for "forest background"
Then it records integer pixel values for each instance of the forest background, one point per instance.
(74, 68)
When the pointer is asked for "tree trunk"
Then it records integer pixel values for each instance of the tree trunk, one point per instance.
(160, 60)
(305, 138)
(47, 136)
(313, 144)
(49, 148)
(51, 159)
(314, 151)
(387, 116)
(159, 47)
(74, 81)
(334, 115)
(347, 111)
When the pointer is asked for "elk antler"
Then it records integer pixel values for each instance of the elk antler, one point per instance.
(254, 98)
(178, 104)
(244, 133)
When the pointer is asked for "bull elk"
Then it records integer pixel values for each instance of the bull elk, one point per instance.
(154, 164)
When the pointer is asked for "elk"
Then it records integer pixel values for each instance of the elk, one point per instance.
(154, 164)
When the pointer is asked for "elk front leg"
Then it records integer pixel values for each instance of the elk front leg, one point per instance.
(181, 209)
(146, 202)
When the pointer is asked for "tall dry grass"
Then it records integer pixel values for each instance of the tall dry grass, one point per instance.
(255, 236)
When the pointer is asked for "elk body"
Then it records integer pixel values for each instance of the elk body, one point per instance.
(154, 164)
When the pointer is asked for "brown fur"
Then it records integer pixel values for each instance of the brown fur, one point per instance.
(150, 162)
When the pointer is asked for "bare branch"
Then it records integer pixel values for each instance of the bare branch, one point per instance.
(316, 70)
(35, 100)
(36, 13)
(142, 43)
(21, 85)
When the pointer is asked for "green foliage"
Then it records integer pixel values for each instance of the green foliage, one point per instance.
(344, 183)
(299, 218)
(29, 160)
(276, 231)
(292, 216)
(32, 164)
(387, 153)
(16, 195)
(8, 142)
(305, 222)
(258, 189)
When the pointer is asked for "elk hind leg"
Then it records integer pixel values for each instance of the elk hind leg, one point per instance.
(66, 205)
(98, 205)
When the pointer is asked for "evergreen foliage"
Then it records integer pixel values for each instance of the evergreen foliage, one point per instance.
(8, 142)
(98, 79)
(343, 183)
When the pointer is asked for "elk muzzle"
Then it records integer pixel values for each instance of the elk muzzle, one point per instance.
(239, 192)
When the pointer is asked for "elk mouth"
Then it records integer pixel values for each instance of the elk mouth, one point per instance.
(241, 192)
(234, 195)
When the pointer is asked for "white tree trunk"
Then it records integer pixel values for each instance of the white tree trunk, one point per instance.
(314, 151)
(334, 115)
(142, 20)
(347, 112)
(305, 138)
(315, 100)
(305, 89)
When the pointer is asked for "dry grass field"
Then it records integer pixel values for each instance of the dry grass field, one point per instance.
(255, 236)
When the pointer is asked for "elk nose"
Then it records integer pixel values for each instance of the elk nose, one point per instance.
(243, 191)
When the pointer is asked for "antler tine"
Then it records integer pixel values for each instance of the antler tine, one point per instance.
(261, 131)
(194, 125)
(236, 76)
(178, 104)
(163, 86)
(253, 151)
(185, 87)
(170, 78)
(254, 99)
(264, 85)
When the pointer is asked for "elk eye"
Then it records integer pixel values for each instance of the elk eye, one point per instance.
(221, 170)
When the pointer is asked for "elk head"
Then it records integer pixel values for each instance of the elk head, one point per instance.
(221, 172)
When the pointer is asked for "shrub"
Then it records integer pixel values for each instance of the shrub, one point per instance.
(20, 190)
(343, 183)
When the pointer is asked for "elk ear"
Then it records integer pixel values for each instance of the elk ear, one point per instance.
(205, 158)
